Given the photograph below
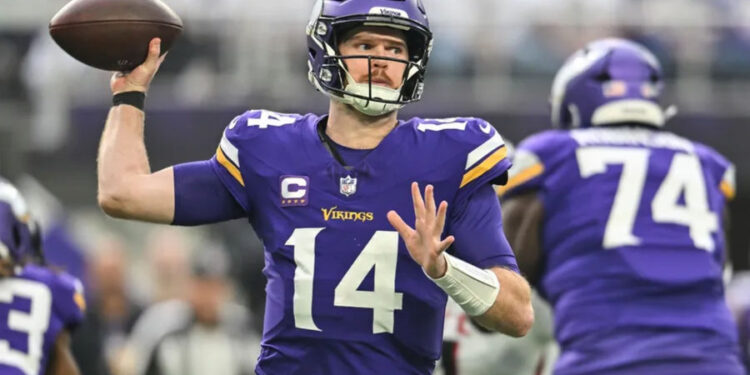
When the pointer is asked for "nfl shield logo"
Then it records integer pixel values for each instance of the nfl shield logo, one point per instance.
(347, 185)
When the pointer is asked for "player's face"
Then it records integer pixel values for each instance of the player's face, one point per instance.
(377, 42)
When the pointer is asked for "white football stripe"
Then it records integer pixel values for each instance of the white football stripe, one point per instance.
(484, 149)
(11, 196)
(523, 160)
(229, 150)
(729, 177)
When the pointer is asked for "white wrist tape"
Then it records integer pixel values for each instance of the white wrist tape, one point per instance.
(474, 289)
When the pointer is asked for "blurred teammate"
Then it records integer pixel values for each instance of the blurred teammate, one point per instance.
(619, 223)
(324, 193)
(38, 306)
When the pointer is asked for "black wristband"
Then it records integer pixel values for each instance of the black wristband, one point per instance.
(135, 98)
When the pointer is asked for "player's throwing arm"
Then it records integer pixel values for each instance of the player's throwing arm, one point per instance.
(127, 188)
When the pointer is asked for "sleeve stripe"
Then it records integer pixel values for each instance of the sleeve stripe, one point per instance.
(231, 168)
(521, 177)
(483, 150)
(230, 151)
(485, 166)
(727, 189)
(80, 301)
(727, 185)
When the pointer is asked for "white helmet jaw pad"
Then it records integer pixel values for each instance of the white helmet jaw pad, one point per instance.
(629, 110)
(361, 91)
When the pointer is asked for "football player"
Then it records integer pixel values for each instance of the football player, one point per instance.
(620, 224)
(345, 294)
(38, 307)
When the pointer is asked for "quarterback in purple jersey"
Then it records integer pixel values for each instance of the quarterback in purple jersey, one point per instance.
(38, 306)
(352, 288)
(619, 224)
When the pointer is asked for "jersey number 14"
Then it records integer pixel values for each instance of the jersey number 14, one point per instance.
(381, 253)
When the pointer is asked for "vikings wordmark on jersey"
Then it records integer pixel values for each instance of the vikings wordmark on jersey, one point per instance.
(343, 294)
(35, 306)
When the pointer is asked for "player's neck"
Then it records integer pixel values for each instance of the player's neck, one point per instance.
(350, 128)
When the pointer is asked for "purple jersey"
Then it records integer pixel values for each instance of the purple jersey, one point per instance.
(343, 294)
(35, 306)
(633, 249)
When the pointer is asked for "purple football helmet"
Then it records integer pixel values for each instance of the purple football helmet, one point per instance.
(327, 71)
(16, 241)
(610, 81)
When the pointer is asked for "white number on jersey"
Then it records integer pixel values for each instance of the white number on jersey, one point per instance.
(685, 176)
(442, 124)
(268, 118)
(381, 253)
(34, 323)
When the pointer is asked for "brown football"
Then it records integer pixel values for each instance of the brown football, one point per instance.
(114, 34)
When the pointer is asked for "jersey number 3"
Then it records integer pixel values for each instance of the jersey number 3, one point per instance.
(381, 252)
(685, 176)
(33, 323)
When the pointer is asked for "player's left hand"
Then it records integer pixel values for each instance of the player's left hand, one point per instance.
(423, 241)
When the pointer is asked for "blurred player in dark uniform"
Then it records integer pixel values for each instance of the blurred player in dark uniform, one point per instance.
(38, 307)
(345, 294)
(620, 224)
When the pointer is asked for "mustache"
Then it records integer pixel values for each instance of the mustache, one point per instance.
(377, 78)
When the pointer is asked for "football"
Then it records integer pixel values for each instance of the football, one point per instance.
(114, 34)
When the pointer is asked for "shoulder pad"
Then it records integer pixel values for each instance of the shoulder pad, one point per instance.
(71, 287)
(471, 135)
(531, 158)
(67, 292)
(251, 123)
(546, 142)
(244, 129)
(720, 167)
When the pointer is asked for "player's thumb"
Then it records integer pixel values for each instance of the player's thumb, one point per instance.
(154, 50)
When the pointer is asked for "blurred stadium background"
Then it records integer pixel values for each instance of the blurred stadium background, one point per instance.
(492, 58)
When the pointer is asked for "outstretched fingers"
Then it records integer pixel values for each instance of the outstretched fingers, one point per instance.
(442, 213)
(445, 244)
(429, 198)
(403, 229)
(416, 197)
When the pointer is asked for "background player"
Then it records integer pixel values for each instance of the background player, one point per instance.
(325, 192)
(38, 307)
(470, 350)
(620, 223)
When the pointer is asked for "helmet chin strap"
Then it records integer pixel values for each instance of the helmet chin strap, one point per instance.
(370, 107)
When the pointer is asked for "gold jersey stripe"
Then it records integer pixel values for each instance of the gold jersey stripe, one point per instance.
(523, 176)
(727, 189)
(229, 166)
(484, 166)
(80, 301)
